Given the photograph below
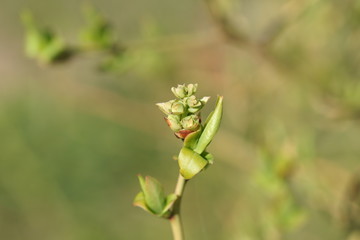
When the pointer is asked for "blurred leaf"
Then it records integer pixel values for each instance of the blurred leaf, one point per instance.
(42, 44)
(98, 33)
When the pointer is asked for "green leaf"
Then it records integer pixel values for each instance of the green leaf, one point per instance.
(139, 201)
(170, 200)
(191, 163)
(208, 156)
(142, 182)
(153, 194)
(211, 127)
(192, 139)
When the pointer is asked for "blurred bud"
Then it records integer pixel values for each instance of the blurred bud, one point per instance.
(180, 91)
(177, 108)
(191, 122)
(174, 122)
(165, 107)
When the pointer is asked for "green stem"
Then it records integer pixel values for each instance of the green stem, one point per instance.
(175, 219)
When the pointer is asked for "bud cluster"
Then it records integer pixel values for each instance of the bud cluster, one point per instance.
(183, 113)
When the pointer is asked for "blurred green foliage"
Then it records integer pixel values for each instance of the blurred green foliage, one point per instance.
(73, 138)
(42, 44)
(98, 33)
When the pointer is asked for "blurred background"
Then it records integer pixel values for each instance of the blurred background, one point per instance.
(75, 133)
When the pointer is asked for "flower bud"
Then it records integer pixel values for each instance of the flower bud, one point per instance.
(180, 91)
(165, 107)
(177, 108)
(191, 122)
(191, 89)
(174, 122)
(193, 102)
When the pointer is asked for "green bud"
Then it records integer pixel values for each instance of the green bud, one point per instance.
(165, 107)
(191, 122)
(174, 122)
(180, 91)
(193, 102)
(191, 89)
(98, 33)
(177, 108)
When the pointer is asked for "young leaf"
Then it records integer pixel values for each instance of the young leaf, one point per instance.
(153, 193)
(192, 139)
(211, 127)
(191, 163)
(139, 201)
(170, 200)
(208, 156)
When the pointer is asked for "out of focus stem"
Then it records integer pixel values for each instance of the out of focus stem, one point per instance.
(175, 219)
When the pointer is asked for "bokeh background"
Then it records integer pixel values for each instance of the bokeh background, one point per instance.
(74, 135)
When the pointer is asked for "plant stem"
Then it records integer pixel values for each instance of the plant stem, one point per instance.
(180, 185)
(175, 219)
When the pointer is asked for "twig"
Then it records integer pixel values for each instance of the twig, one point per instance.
(229, 31)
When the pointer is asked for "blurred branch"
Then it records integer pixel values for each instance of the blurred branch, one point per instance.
(289, 13)
(174, 42)
(351, 205)
(227, 28)
(234, 34)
